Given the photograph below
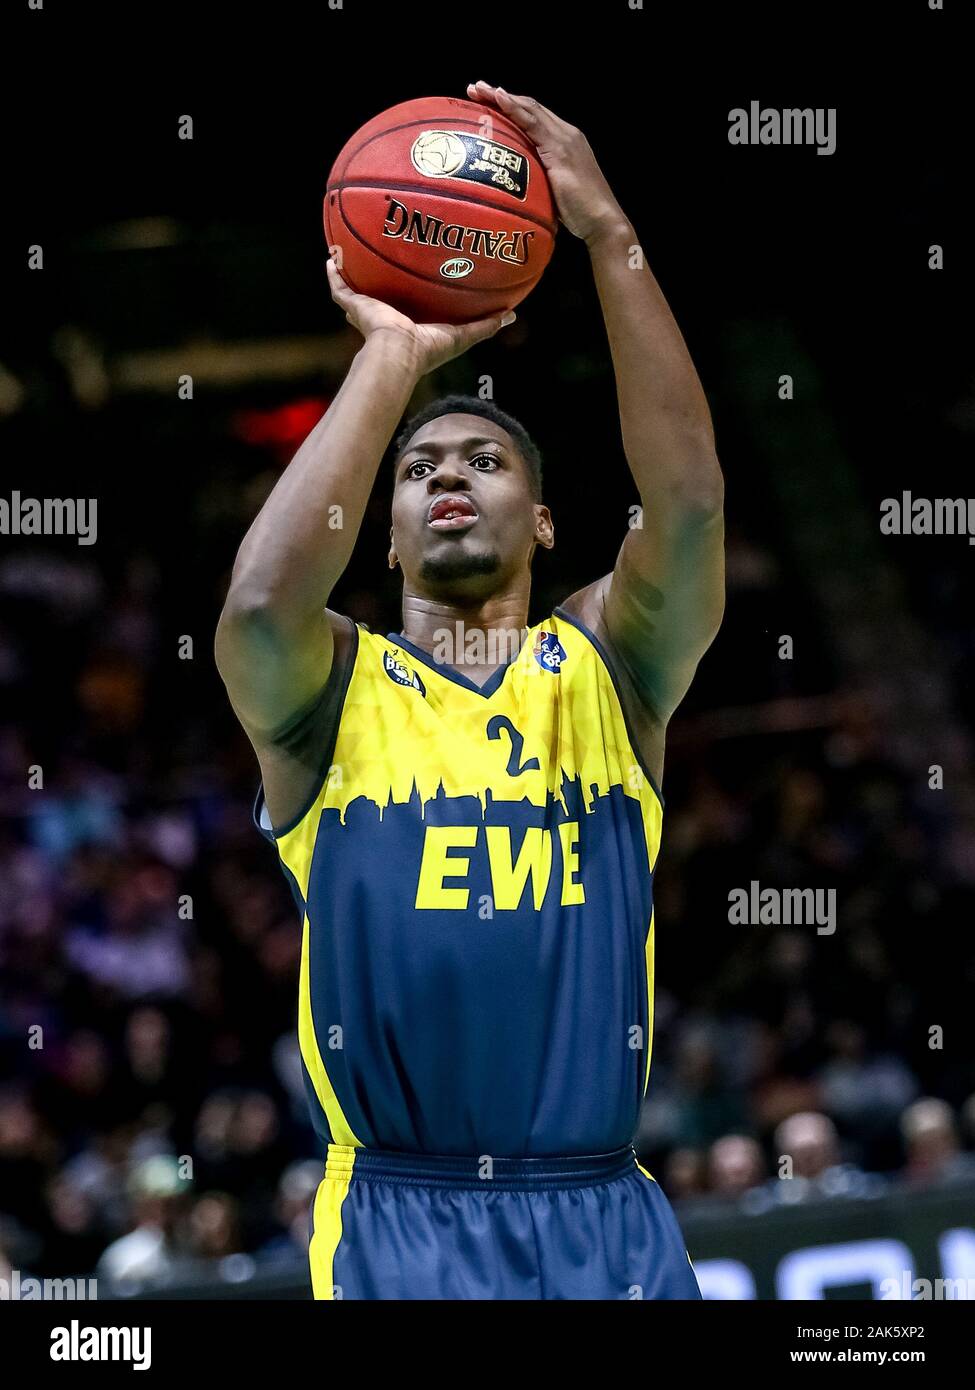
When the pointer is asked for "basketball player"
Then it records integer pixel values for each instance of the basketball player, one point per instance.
(470, 823)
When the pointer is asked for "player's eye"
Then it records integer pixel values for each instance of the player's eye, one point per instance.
(492, 459)
(417, 463)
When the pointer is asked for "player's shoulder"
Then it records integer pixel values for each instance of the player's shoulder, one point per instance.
(580, 616)
(586, 610)
(348, 635)
(346, 629)
(586, 605)
(343, 629)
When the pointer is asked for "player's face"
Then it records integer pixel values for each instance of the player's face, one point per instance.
(464, 521)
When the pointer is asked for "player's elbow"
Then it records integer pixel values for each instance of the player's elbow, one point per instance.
(700, 489)
(688, 487)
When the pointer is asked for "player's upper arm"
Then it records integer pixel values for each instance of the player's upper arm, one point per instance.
(272, 671)
(665, 598)
(661, 607)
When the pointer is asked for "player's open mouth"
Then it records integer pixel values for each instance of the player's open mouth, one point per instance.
(451, 514)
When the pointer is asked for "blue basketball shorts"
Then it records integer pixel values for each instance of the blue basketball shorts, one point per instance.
(413, 1226)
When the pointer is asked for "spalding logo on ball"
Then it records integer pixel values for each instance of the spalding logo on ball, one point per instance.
(442, 209)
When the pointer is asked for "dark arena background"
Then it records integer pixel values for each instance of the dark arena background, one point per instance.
(811, 1107)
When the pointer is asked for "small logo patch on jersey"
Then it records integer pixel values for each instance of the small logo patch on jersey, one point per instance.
(402, 674)
(549, 652)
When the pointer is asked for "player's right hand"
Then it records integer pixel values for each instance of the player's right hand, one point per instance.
(429, 344)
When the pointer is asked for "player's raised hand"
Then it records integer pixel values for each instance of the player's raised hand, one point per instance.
(584, 199)
(430, 344)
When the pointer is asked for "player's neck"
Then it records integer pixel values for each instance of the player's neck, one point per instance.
(481, 635)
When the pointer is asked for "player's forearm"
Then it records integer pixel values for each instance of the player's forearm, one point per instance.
(666, 423)
(302, 539)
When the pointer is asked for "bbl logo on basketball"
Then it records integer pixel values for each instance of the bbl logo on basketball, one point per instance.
(438, 153)
(549, 652)
(455, 154)
(399, 672)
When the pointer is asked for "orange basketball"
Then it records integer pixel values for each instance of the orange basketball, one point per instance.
(442, 209)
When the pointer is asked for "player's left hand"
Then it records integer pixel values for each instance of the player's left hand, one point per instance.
(584, 199)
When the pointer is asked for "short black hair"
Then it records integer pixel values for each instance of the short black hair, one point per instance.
(473, 405)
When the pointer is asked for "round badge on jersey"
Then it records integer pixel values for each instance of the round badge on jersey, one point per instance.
(549, 652)
(402, 674)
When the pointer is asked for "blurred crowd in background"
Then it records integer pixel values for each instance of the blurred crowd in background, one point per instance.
(152, 1118)
(149, 952)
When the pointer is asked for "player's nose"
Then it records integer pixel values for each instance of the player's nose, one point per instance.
(449, 476)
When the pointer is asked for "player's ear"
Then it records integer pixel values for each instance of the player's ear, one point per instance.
(544, 526)
(393, 557)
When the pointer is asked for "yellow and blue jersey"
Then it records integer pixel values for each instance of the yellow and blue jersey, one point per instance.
(475, 879)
